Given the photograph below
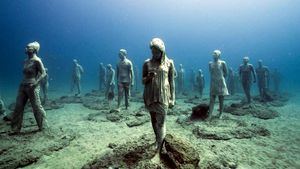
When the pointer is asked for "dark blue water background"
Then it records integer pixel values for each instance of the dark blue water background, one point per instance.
(93, 31)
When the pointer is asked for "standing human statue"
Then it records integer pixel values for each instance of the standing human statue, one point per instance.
(200, 82)
(44, 86)
(125, 77)
(246, 71)
(76, 77)
(263, 80)
(180, 79)
(276, 76)
(33, 73)
(2, 108)
(159, 90)
(110, 84)
(102, 76)
(192, 80)
(231, 81)
(218, 73)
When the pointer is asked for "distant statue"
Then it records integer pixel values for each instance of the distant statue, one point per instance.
(110, 83)
(192, 80)
(102, 75)
(276, 76)
(33, 72)
(2, 107)
(76, 77)
(200, 82)
(159, 91)
(246, 71)
(180, 79)
(218, 73)
(44, 86)
(263, 79)
(125, 77)
(231, 81)
(237, 83)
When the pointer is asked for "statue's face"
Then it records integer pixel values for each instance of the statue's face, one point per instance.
(215, 56)
(122, 57)
(246, 61)
(29, 51)
(156, 53)
(260, 63)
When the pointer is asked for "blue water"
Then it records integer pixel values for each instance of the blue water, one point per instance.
(93, 31)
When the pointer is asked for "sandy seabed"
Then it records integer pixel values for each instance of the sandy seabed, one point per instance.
(78, 134)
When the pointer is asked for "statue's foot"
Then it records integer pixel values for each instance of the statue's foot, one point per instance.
(219, 116)
(156, 159)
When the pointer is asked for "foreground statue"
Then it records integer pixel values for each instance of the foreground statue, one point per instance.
(159, 91)
(33, 72)
(218, 73)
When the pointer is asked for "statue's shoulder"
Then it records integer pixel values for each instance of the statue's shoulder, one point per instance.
(222, 61)
(147, 60)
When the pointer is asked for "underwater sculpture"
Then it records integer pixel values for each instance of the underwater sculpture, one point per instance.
(231, 81)
(44, 86)
(200, 82)
(245, 72)
(263, 79)
(218, 73)
(180, 79)
(192, 79)
(2, 107)
(102, 76)
(159, 89)
(125, 77)
(110, 83)
(76, 77)
(33, 72)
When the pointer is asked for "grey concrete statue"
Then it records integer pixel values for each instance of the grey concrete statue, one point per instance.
(44, 86)
(110, 83)
(180, 79)
(29, 89)
(263, 79)
(102, 76)
(192, 80)
(76, 77)
(200, 82)
(218, 73)
(125, 77)
(231, 81)
(2, 108)
(246, 71)
(159, 90)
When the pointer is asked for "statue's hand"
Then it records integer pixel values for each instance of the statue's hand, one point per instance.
(171, 104)
(33, 85)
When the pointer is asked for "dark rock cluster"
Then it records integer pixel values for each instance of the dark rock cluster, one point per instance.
(178, 153)
(256, 110)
